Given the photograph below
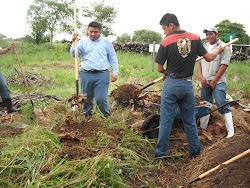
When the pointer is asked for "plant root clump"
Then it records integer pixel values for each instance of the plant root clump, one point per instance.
(126, 94)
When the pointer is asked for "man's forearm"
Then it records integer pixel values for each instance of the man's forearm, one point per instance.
(212, 55)
(3, 51)
(160, 68)
(220, 72)
(199, 70)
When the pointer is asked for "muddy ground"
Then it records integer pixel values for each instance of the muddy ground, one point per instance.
(175, 170)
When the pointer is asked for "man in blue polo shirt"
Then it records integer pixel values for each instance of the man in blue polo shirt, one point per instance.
(97, 55)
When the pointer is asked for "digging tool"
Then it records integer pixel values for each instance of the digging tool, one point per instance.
(24, 79)
(199, 112)
(215, 168)
(76, 56)
(198, 59)
(227, 44)
(151, 83)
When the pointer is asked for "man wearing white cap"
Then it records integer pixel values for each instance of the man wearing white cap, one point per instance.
(212, 77)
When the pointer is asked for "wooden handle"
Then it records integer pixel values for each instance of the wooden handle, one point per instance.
(225, 163)
(76, 55)
(227, 44)
(24, 78)
(198, 59)
(157, 80)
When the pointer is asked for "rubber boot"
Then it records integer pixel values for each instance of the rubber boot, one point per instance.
(204, 121)
(9, 106)
(229, 124)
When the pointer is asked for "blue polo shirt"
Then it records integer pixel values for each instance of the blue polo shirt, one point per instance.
(96, 54)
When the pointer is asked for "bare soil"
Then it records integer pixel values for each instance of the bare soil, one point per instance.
(80, 138)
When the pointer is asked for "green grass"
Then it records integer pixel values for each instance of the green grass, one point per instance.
(31, 159)
(56, 64)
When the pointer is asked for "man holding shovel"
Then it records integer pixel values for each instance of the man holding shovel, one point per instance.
(179, 49)
(213, 79)
(4, 90)
(97, 55)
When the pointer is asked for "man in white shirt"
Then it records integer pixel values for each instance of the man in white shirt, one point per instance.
(212, 77)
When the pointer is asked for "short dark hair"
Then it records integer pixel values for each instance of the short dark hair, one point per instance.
(95, 24)
(169, 18)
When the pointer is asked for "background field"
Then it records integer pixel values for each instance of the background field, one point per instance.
(56, 64)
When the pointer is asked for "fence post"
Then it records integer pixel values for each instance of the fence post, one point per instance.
(153, 59)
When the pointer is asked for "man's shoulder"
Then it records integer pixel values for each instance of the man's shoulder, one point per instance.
(193, 35)
(175, 37)
(221, 42)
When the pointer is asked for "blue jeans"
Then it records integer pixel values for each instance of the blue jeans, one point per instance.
(4, 90)
(96, 86)
(219, 94)
(177, 92)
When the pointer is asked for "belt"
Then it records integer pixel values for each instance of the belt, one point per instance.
(189, 78)
(94, 71)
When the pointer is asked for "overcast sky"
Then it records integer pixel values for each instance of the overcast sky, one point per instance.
(133, 15)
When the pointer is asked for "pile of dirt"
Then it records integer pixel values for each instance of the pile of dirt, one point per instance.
(126, 94)
(234, 174)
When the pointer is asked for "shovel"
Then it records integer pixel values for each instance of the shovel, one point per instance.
(199, 112)
(198, 59)
(24, 78)
(151, 83)
(76, 56)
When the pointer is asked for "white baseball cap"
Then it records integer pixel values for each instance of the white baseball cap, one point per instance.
(214, 29)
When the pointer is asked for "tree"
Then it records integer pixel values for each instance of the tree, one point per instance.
(226, 26)
(103, 14)
(51, 16)
(146, 36)
(2, 36)
(123, 38)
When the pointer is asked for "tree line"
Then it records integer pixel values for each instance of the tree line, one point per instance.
(48, 17)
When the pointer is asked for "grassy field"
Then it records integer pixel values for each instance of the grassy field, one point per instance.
(32, 158)
(56, 64)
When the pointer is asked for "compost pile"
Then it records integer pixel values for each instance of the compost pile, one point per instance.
(129, 95)
(235, 174)
(126, 94)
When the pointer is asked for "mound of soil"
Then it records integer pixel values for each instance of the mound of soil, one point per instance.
(125, 93)
(234, 174)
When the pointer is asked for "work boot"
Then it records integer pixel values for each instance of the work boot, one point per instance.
(204, 121)
(229, 124)
(9, 106)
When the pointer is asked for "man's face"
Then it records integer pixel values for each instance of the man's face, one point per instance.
(167, 29)
(94, 33)
(211, 37)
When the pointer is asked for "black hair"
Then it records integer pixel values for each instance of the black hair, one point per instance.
(95, 24)
(169, 18)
